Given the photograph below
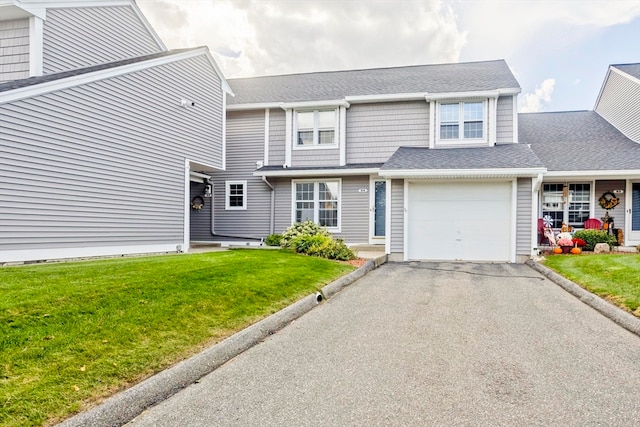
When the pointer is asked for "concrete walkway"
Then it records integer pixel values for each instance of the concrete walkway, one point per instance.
(428, 344)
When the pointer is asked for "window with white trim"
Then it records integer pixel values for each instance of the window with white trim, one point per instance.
(235, 195)
(461, 122)
(318, 201)
(566, 202)
(315, 128)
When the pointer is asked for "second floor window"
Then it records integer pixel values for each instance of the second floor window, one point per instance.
(315, 128)
(462, 121)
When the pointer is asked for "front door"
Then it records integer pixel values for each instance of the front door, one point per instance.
(634, 234)
(378, 211)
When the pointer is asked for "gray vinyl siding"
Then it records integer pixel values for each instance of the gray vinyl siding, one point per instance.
(277, 132)
(14, 50)
(618, 213)
(619, 105)
(524, 220)
(504, 120)
(354, 210)
(397, 216)
(315, 157)
(283, 204)
(80, 37)
(375, 131)
(103, 164)
(245, 146)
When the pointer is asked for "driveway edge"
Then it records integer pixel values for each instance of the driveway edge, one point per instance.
(618, 315)
(128, 404)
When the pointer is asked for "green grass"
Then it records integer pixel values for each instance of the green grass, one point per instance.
(74, 333)
(612, 276)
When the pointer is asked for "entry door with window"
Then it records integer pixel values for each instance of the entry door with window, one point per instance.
(378, 211)
(634, 234)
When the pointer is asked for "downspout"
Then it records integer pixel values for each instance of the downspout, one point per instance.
(273, 205)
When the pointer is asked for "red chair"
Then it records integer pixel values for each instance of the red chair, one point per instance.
(592, 224)
(541, 235)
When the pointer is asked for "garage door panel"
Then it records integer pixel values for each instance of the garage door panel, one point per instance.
(467, 221)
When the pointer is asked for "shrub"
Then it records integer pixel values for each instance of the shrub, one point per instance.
(592, 237)
(307, 228)
(273, 240)
(322, 246)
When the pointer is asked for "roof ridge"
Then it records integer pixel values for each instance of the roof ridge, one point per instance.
(359, 70)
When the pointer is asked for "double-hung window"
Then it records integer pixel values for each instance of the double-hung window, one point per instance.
(317, 201)
(566, 202)
(315, 128)
(236, 195)
(461, 122)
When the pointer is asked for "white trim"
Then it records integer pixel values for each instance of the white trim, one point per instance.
(596, 174)
(461, 141)
(316, 172)
(197, 177)
(628, 213)
(471, 94)
(76, 3)
(288, 137)
(342, 123)
(86, 78)
(535, 197)
(432, 124)
(227, 189)
(491, 127)
(224, 131)
(147, 25)
(513, 243)
(84, 252)
(254, 106)
(36, 34)
(266, 137)
(461, 173)
(186, 232)
(312, 105)
(14, 9)
(387, 241)
(627, 75)
(316, 201)
(405, 227)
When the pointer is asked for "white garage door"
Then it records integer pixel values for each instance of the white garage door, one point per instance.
(459, 221)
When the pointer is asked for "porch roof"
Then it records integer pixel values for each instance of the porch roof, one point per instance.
(577, 141)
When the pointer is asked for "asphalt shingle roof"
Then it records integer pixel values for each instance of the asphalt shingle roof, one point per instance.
(31, 81)
(441, 78)
(631, 69)
(508, 156)
(577, 140)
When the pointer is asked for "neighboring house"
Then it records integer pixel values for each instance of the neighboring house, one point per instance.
(424, 160)
(102, 129)
(591, 153)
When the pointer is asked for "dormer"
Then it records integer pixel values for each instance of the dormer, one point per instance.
(472, 119)
(43, 37)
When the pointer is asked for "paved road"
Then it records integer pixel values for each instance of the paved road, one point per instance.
(417, 344)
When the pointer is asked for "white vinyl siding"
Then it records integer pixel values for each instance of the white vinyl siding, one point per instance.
(81, 37)
(14, 50)
(103, 164)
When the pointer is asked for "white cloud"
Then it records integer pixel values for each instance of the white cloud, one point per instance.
(280, 36)
(536, 101)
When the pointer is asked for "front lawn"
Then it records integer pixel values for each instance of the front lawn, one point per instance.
(614, 277)
(73, 333)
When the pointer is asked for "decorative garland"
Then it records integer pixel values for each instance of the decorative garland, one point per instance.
(197, 203)
(608, 201)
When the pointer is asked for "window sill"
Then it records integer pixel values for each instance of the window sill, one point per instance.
(316, 147)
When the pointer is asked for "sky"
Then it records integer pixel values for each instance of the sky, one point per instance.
(559, 50)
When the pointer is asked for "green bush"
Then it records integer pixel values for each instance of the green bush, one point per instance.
(592, 237)
(273, 239)
(307, 228)
(322, 246)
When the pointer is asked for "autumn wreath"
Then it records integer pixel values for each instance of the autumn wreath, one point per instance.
(608, 200)
(197, 203)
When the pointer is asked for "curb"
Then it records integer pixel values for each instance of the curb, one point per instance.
(128, 404)
(621, 317)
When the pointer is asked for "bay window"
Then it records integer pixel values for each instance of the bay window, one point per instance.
(317, 201)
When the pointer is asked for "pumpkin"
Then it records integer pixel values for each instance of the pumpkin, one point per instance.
(576, 251)
(557, 250)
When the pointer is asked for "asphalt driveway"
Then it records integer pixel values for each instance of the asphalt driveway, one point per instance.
(428, 344)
